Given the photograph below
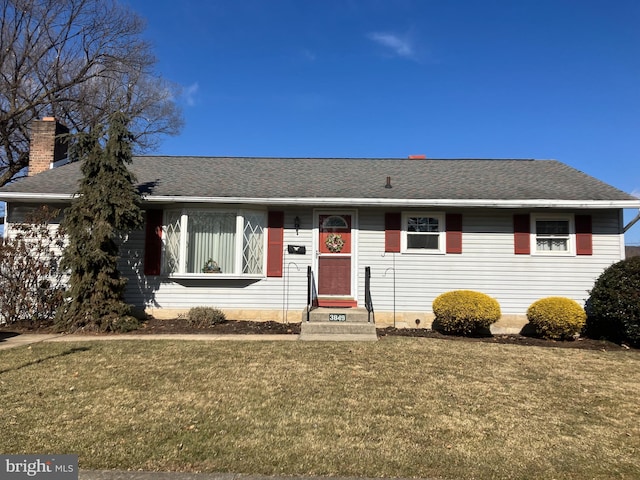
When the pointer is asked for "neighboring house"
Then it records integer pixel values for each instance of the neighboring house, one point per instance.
(517, 230)
(632, 251)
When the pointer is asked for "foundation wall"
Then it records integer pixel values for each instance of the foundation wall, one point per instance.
(508, 324)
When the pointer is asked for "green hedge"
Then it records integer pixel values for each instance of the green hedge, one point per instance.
(613, 308)
(557, 318)
(464, 312)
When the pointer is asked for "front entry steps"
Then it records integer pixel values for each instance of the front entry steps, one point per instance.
(338, 324)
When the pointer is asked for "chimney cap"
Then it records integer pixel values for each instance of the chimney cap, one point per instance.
(418, 157)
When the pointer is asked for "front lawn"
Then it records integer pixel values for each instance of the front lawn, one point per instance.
(400, 407)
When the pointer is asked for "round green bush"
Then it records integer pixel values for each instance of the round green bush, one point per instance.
(557, 318)
(203, 317)
(613, 307)
(464, 312)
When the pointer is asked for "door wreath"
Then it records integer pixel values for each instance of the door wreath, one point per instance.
(334, 242)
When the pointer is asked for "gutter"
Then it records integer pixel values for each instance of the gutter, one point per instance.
(422, 202)
(358, 202)
(7, 196)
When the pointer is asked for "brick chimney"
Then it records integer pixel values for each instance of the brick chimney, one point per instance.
(46, 147)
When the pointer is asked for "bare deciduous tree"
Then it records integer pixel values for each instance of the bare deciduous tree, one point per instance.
(79, 61)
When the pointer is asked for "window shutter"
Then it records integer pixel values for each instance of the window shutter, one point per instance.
(275, 244)
(521, 234)
(584, 236)
(454, 232)
(392, 228)
(153, 243)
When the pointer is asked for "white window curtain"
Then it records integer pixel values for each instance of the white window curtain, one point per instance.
(552, 235)
(211, 236)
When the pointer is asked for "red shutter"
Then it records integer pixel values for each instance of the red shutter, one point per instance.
(521, 234)
(454, 232)
(153, 242)
(584, 241)
(275, 244)
(392, 228)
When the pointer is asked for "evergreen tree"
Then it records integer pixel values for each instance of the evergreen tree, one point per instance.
(106, 208)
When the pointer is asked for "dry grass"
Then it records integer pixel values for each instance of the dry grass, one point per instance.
(399, 407)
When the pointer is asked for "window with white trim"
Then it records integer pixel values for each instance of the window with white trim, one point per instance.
(220, 241)
(423, 232)
(553, 234)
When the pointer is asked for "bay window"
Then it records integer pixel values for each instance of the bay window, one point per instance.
(197, 240)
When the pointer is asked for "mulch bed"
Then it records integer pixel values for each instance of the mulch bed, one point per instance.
(157, 326)
(583, 343)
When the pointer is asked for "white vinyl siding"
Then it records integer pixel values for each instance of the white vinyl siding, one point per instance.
(487, 264)
(267, 293)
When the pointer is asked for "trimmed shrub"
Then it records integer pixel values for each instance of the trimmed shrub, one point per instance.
(204, 317)
(613, 308)
(557, 318)
(465, 312)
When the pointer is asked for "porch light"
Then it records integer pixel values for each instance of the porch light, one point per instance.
(296, 224)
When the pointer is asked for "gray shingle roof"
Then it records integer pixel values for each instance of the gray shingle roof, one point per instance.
(334, 178)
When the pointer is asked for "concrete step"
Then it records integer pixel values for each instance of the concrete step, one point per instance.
(337, 327)
(337, 315)
(347, 337)
(338, 324)
(338, 331)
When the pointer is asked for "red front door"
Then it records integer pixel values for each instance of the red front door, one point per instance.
(335, 260)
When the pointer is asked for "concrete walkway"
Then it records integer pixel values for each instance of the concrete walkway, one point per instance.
(17, 340)
(10, 340)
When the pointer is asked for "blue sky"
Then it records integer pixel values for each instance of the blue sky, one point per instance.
(388, 78)
(379, 78)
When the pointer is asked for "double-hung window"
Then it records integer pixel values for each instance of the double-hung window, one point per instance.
(232, 241)
(553, 235)
(423, 232)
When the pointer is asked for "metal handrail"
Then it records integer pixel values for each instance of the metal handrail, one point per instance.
(368, 303)
(312, 294)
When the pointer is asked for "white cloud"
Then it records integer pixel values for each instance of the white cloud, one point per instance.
(189, 94)
(309, 55)
(400, 46)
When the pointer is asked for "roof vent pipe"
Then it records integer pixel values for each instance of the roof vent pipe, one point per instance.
(388, 185)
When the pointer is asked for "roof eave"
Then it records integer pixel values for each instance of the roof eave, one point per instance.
(386, 202)
(360, 202)
(30, 197)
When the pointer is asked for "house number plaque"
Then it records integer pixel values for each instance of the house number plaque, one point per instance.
(337, 317)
